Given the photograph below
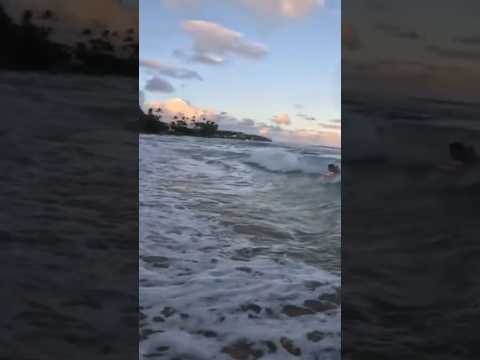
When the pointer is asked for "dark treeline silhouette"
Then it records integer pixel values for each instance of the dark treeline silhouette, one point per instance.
(28, 46)
(154, 123)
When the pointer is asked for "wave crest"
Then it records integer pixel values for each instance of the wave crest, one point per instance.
(285, 161)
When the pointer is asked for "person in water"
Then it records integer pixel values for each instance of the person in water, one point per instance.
(462, 157)
(334, 169)
(463, 154)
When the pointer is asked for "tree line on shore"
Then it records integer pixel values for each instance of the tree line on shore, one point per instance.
(154, 122)
(28, 46)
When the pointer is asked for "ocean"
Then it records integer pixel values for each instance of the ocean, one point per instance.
(409, 244)
(239, 250)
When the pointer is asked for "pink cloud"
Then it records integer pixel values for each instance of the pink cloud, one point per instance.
(283, 8)
(213, 42)
(177, 106)
(306, 136)
(282, 119)
(268, 8)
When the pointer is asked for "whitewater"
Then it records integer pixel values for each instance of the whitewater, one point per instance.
(239, 250)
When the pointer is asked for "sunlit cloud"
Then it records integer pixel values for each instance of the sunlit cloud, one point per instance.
(328, 135)
(265, 8)
(282, 119)
(177, 106)
(285, 8)
(307, 136)
(212, 42)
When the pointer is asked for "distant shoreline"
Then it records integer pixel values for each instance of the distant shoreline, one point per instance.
(243, 137)
(151, 124)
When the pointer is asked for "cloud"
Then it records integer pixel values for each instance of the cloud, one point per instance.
(350, 38)
(306, 117)
(231, 123)
(397, 32)
(199, 58)
(281, 119)
(169, 70)
(309, 136)
(454, 54)
(175, 106)
(266, 8)
(207, 59)
(283, 8)
(298, 106)
(212, 42)
(330, 126)
(157, 84)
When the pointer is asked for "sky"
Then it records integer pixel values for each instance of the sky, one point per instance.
(428, 48)
(271, 67)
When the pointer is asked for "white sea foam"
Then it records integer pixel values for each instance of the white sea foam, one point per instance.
(285, 161)
(226, 245)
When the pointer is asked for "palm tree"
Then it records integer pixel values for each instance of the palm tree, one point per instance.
(47, 15)
(27, 17)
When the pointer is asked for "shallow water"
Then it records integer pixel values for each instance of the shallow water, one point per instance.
(239, 250)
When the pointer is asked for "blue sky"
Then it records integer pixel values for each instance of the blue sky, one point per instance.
(276, 60)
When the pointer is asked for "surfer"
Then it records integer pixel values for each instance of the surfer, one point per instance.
(462, 156)
(333, 169)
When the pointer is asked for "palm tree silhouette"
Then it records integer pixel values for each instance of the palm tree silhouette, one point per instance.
(27, 17)
(47, 15)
